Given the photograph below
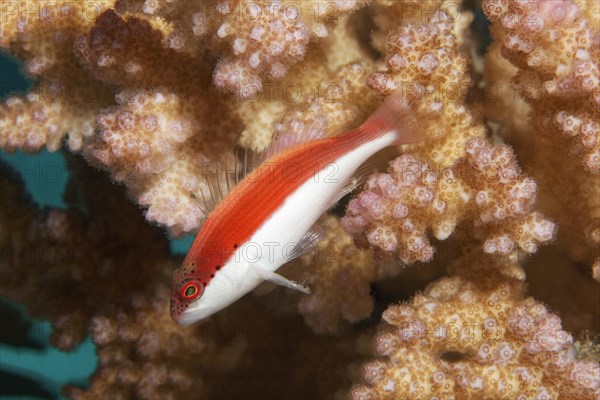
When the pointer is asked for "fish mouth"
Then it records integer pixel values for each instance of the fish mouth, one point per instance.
(196, 314)
(183, 321)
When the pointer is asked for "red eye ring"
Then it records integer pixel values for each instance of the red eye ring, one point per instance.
(191, 289)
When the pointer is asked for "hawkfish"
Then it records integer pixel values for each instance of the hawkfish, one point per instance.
(267, 219)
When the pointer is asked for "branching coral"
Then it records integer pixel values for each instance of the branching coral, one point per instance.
(133, 52)
(406, 70)
(165, 171)
(486, 187)
(75, 258)
(257, 40)
(264, 38)
(66, 99)
(265, 42)
(475, 338)
(547, 101)
(466, 179)
(156, 93)
(424, 59)
(555, 47)
(156, 143)
(42, 32)
(128, 51)
(144, 354)
(326, 93)
(341, 101)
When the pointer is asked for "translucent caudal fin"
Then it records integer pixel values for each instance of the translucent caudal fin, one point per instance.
(409, 116)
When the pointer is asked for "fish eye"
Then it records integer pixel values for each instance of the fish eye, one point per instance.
(191, 289)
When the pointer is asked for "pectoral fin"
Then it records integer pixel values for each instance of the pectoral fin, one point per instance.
(277, 279)
(360, 176)
(307, 243)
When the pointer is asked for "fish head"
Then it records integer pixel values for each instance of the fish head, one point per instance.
(196, 295)
(187, 293)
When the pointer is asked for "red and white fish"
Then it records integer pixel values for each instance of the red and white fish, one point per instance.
(250, 234)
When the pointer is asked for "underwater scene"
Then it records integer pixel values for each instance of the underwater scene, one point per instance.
(299, 199)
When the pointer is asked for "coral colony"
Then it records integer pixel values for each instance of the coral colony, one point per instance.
(435, 279)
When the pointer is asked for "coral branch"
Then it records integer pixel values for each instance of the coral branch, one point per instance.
(156, 142)
(475, 338)
(128, 51)
(161, 96)
(65, 100)
(485, 187)
(549, 107)
(555, 47)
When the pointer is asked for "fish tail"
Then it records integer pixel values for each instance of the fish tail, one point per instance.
(409, 117)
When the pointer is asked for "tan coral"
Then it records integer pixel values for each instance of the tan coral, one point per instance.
(129, 52)
(80, 261)
(136, 348)
(65, 99)
(395, 209)
(327, 107)
(475, 338)
(258, 41)
(41, 32)
(103, 274)
(159, 141)
(449, 180)
(503, 197)
(485, 187)
(43, 118)
(552, 44)
(543, 120)
(264, 111)
(327, 93)
(144, 354)
(391, 14)
(105, 268)
(163, 147)
(174, 18)
(341, 101)
(263, 39)
(423, 59)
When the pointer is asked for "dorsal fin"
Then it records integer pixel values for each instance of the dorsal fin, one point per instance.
(220, 176)
(293, 131)
(229, 170)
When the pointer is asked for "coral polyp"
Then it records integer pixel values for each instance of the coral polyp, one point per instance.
(465, 265)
